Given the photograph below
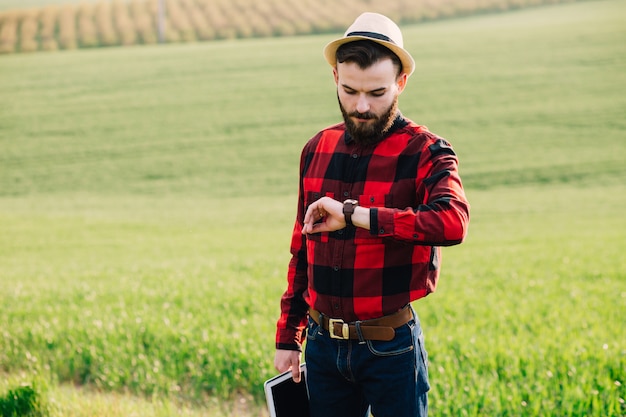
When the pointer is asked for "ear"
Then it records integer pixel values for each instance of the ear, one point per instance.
(401, 81)
(336, 75)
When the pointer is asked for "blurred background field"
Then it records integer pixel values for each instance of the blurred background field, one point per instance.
(30, 4)
(147, 196)
(50, 25)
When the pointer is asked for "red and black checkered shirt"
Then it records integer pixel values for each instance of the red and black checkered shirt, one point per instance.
(410, 183)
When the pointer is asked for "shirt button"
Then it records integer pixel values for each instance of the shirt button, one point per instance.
(340, 232)
(335, 268)
(345, 193)
(355, 156)
(381, 232)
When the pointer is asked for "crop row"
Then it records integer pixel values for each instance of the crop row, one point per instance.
(119, 22)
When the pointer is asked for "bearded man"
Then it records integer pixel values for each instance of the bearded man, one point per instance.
(378, 197)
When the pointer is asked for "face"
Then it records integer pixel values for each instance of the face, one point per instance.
(368, 98)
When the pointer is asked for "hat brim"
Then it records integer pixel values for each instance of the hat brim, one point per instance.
(330, 51)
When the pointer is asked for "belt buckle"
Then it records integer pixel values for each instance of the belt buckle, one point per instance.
(345, 330)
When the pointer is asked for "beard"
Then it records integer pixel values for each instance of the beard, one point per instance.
(366, 134)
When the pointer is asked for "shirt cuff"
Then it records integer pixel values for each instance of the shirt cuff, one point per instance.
(381, 222)
(374, 221)
(284, 346)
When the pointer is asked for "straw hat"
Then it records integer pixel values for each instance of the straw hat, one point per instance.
(377, 28)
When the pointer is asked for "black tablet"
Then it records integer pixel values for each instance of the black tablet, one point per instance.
(285, 398)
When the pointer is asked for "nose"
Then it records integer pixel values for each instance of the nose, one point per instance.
(362, 104)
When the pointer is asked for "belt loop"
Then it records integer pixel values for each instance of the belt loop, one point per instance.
(358, 332)
(321, 324)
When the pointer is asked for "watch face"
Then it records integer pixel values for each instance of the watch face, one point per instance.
(349, 206)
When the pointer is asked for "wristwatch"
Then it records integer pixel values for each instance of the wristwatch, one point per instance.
(348, 209)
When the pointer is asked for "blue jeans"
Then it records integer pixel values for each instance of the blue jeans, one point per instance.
(345, 377)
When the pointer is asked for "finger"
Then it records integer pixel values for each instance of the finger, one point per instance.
(323, 227)
(313, 213)
(307, 216)
(308, 225)
(295, 373)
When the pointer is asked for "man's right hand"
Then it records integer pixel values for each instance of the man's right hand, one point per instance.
(288, 359)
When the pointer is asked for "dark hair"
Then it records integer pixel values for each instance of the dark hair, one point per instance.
(366, 53)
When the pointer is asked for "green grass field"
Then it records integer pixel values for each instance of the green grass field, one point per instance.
(147, 196)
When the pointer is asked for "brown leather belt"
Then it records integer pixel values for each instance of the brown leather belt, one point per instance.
(375, 329)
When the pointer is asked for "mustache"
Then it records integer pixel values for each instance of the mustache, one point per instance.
(364, 116)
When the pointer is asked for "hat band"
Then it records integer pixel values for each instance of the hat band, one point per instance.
(372, 35)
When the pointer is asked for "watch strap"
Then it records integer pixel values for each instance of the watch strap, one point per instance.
(348, 209)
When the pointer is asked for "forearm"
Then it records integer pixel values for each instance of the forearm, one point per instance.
(361, 217)
(292, 321)
(293, 307)
(441, 219)
(424, 226)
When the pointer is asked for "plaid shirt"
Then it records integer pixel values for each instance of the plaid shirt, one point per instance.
(410, 183)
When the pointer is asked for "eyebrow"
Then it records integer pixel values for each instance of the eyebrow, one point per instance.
(377, 90)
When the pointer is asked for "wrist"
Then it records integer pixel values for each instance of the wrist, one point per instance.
(349, 206)
(361, 217)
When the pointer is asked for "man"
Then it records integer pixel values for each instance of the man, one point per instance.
(379, 195)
